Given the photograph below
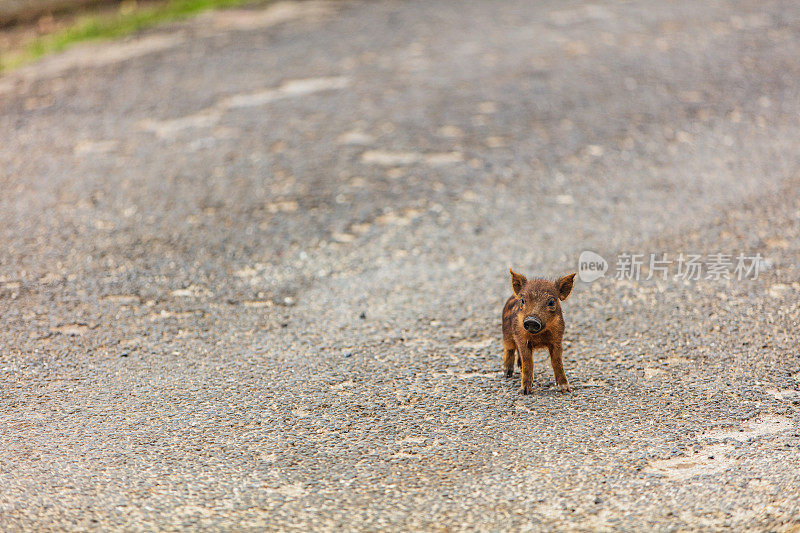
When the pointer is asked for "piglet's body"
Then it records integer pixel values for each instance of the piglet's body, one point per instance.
(532, 320)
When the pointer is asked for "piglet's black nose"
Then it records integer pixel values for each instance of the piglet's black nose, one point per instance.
(533, 324)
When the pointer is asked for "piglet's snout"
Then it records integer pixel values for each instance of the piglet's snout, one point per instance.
(532, 324)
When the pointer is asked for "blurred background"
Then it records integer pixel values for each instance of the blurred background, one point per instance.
(253, 258)
(20, 11)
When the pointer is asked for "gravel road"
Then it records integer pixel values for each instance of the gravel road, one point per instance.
(252, 268)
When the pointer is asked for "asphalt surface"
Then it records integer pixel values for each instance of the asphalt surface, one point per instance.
(252, 268)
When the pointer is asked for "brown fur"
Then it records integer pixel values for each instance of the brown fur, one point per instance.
(537, 298)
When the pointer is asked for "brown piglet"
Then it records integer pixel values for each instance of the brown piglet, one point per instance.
(532, 320)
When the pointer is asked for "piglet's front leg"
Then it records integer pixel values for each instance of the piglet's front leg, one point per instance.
(558, 367)
(526, 356)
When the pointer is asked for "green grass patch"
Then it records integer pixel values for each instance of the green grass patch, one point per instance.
(127, 20)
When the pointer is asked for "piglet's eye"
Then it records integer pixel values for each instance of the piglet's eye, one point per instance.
(551, 302)
(522, 301)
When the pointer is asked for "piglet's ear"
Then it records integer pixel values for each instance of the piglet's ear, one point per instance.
(565, 286)
(517, 282)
